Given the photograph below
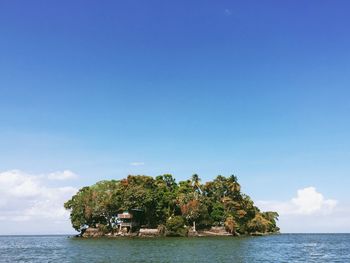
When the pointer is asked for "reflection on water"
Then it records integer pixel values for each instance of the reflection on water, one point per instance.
(277, 248)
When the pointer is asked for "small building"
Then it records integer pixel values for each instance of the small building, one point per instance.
(130, 219)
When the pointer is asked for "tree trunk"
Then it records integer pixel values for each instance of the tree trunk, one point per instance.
(194, 226)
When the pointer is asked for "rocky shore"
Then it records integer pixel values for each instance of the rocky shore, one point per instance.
(154, 232)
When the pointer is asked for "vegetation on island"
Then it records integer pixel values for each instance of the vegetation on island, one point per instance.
(174, 207)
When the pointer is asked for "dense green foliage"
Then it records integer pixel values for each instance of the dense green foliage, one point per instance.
(175, 226)
(164, 202)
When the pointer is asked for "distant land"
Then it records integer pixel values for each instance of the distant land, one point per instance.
(141, 205)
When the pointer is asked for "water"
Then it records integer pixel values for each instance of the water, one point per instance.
(278, 248)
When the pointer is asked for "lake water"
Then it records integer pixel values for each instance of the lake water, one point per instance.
(277, 248)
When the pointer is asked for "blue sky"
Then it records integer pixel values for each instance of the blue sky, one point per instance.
(255, 88)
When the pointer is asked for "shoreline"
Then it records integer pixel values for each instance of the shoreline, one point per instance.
(155, 233)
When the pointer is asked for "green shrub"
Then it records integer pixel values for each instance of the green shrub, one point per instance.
(175, 226)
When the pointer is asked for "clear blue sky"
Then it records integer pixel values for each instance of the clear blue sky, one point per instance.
(256, 88)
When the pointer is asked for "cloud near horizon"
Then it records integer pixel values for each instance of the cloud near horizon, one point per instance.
(307, 202)
(27, 200)
(308, 212)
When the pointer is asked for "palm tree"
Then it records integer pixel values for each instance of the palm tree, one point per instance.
(233, 178)
(272, 217)
(234, 186)
(196, 183)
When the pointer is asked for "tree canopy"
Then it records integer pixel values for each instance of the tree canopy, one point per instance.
(188, 203)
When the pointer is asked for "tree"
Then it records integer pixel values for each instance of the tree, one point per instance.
(233, 186)
(165, 194)
(258, 224)
(140, 192)
(175, 226)
(191, 211)
(230, 225)
(272, 217)
(218, 213)
(196, 183)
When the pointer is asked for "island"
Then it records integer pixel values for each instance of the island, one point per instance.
(145, 206)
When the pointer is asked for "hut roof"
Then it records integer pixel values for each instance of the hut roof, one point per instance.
(125, 215)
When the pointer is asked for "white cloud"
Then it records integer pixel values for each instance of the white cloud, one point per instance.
(310, 211)
(16, 184)
(307, 202)
(137, 163)
(65, 175)
(28, 200)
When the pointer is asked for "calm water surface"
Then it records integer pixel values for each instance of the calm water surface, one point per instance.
(277, 248)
